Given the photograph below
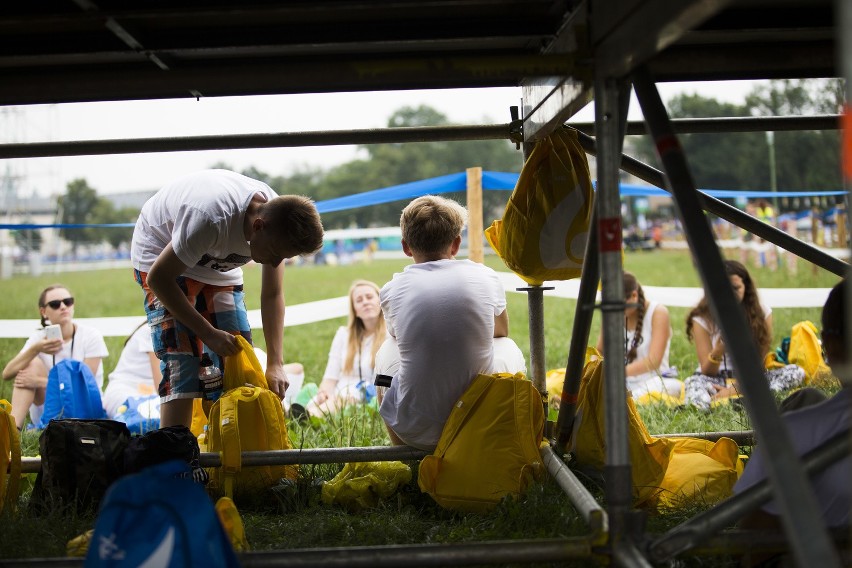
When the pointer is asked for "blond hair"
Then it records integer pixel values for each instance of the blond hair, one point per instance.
(357, 330)
(431, 223)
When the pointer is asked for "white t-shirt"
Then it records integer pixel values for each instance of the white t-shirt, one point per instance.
(337, 357)
(202, 216)
(808, 428)
(442, 315)
(644, 348)
(716, 334)
(132, 374)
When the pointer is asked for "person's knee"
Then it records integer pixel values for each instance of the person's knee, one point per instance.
(508, 357)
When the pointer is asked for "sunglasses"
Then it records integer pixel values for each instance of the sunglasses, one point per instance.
(54, 304)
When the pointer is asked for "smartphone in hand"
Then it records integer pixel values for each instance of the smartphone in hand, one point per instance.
(53, 332)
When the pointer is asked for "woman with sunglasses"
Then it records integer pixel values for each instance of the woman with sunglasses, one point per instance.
(30, 367)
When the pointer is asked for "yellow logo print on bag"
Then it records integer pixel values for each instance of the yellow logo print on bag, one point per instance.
(543, 233)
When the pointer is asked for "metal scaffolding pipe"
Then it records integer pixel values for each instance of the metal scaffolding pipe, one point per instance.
(800, 514)
(730, 124)
(729, 213)
(583, 315)
(391, 556)
(698, 529)
(383, 136)
(591, 511)
(244, 141)
(298, 456)
(535, 302)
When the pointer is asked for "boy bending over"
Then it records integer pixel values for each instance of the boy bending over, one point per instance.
(188, 245)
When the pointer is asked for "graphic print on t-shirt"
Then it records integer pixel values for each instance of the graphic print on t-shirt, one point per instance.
(230, 262)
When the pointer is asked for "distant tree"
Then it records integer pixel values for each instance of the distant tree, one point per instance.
(393, 164)
(28, 239)
(104, 213)
(804, 160)
(77, 207)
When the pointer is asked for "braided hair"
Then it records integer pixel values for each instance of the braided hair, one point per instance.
(631, 284)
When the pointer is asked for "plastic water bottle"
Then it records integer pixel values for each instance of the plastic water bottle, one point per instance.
(202, 440)
(210, 377)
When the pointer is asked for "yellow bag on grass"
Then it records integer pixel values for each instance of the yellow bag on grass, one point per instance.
(489, 447)
(542, 235)
(806, 351)
(360, 485)
(10, 458)
(666, 472)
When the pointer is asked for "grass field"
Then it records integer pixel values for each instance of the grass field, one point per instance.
(294, 517)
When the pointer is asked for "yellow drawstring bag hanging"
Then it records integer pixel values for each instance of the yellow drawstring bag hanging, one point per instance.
(542, 235)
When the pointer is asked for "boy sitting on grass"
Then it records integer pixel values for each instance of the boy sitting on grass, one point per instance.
(447, 320)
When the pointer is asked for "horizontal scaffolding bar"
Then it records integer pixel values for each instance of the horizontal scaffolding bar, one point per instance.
(730, 124)
(391, 556)
(384, 136)
(245, 141)
(290, 457)
(588, 507)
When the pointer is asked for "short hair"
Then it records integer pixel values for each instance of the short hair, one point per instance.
(295, 219)
(430, 223)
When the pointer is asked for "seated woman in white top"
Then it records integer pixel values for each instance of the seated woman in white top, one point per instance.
(137, 373)
(647, 338)
(715, 370)
(30, 367)
(348, 377)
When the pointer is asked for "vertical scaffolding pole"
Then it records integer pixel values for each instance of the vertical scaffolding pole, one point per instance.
(583, 315)
(617, 471)
(804, 526)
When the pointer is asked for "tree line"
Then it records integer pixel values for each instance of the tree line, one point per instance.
(804, 160)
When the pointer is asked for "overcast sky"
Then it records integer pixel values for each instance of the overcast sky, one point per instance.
(244, 115)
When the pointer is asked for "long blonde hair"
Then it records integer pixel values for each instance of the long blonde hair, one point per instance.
(357, 330)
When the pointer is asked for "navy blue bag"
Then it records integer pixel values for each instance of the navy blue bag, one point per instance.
(72, 392)
(157, 517)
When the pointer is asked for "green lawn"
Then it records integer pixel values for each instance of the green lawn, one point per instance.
(293, 517)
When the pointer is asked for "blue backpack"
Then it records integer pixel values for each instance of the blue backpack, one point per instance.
(154, 518)
(141, 413)
(72, 392)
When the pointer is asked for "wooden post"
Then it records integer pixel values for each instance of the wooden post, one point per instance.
(475, 230)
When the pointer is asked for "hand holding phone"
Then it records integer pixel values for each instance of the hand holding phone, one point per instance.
(52, 332)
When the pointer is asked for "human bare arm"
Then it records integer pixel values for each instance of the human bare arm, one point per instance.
(22, 360)
(660, 334)
(161, 280)
(272, 316)
(501, 324)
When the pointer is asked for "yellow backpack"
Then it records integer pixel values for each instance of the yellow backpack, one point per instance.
(489, 447)
(246, 418)
(806, 351)
(666, 472)
(10, 458)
